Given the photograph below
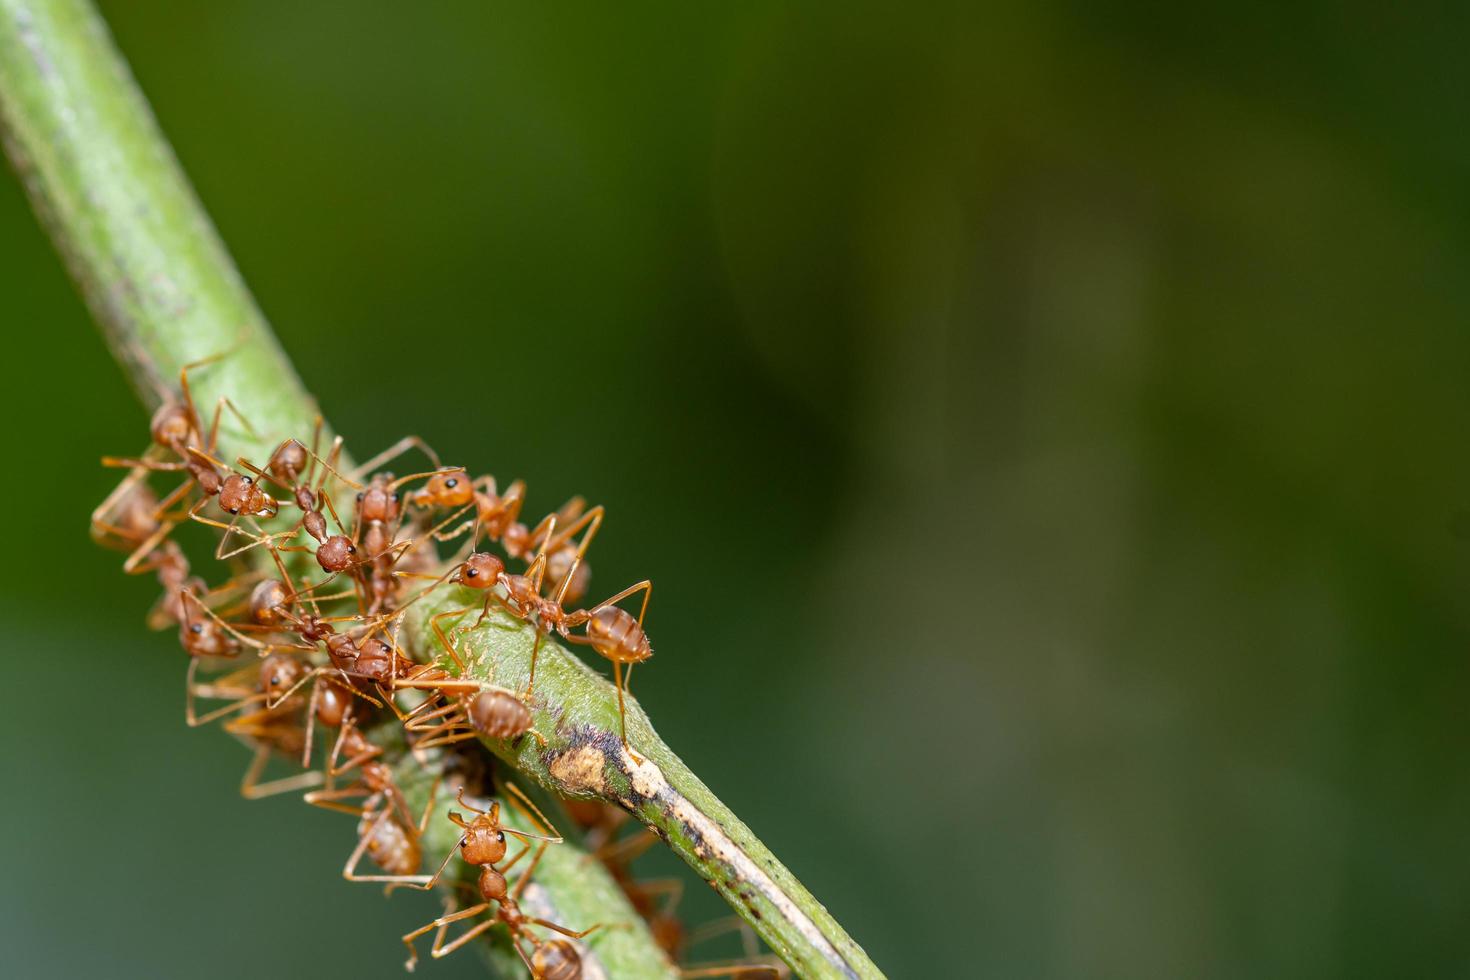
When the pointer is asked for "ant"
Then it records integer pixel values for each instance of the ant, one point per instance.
(291, 467)
(608, 629)
(496, 517)
(483, 844)
(472, 708)
(177, 430)
(267, 730)
(386, 829)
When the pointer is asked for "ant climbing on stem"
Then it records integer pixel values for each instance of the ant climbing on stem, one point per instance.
(177, 431)
(482, 844)
(472, 708)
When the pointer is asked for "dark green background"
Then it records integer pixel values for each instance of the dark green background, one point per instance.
(1045, 426)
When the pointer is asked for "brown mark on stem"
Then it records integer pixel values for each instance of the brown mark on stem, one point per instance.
(598, 764)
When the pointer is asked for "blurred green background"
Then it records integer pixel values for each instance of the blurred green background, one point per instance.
(1045, 426)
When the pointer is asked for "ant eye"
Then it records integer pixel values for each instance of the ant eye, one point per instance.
(395, 496)
(197, 628)
(471, 573)
(359, 495)
(499, 837)
(234, 510)
(352, 549)
(451, 483)
(247, 479)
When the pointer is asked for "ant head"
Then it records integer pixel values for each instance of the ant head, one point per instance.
(481, 570)
(451, 489)
(203, 637)
(484, 840)
(240, 495)
(378, 501)
(336, 553)
(556, 959)
(172, 426)
(278, 672)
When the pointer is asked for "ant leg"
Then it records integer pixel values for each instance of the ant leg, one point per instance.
(316, 440)
(459, 795)
(240, 698)
(433, 533)
(120, 492)
(187, 392)
(739, 971)
(645, 586)
(252, 789)
(224, 402)
(525, 878)
(627, 849)
(176, 495)
(236, 633)
(349, 871)
(440, 948)
(328, 799)
(394, 451)
(153, 465)
(311, 708)
(443, 639)
(569, 933)
(329, 468)
(533, 815)
(622, 709)
(531, 681)
(146, 548)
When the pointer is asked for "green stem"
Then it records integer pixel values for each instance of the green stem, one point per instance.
(576, 711)
(162, 287)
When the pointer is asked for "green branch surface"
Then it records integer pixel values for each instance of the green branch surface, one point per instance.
(160, 284)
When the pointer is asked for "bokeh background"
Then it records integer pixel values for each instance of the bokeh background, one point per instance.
(1045, 425)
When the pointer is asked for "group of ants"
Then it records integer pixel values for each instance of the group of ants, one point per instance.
(347, 671)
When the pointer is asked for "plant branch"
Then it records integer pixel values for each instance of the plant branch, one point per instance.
(161, 285)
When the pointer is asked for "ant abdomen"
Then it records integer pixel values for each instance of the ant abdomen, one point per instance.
(267, 600)
(616, 635)
(287, 462)
(499, 714)
(557, 959)
(395, 849)
(331, 705)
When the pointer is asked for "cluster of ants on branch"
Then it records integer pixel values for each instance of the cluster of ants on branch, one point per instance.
(346, 671)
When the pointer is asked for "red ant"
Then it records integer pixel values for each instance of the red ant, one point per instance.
(609, 630)
(176, 429)
(496, 517)
(472, 708)
(483, 844)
